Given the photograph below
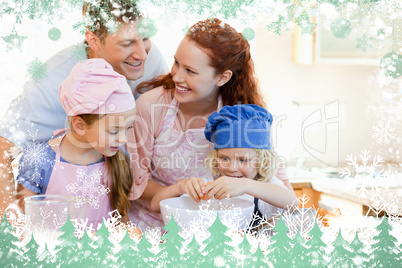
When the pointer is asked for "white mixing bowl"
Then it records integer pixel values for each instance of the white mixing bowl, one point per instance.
(235, 213)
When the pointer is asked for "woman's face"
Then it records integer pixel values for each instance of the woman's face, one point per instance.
(195, 80)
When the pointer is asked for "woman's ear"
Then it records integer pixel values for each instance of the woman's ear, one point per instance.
(224, 78)
(78, 125)
(93, 41)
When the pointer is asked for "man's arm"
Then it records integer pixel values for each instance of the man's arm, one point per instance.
(7, 186)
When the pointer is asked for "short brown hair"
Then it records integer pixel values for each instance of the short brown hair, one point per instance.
(98, 15)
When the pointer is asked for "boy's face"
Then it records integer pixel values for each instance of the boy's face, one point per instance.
(125, 50)
(238, 162)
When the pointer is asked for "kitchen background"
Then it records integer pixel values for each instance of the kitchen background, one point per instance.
(335, 89)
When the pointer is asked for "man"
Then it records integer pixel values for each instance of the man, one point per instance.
(37, 111)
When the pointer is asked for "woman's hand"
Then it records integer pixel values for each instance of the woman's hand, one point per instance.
(224, 187)
(194, 187)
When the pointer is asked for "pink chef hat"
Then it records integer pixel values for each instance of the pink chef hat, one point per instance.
(93, 87)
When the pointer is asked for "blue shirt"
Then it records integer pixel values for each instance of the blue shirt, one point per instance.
(36, 166)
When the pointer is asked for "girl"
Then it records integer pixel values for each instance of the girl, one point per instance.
(242, 162)
(212, 68)
(87, 161)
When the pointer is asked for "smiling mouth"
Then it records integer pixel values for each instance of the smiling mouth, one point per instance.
(234, 176)
(134, 64)
(182, 89)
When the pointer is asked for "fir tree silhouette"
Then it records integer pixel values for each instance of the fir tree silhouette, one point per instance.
(259, 258)
(384, 250)
(218, 252)
(103, 254)
(316, 248)
(299, 252)
(173, 245)
(341, 256)
(193, 254)
(360, 258)
(124, 256)
(46, 259)
(245, 258)
(31, 254)
(67, 248)
(144, 257)
(86, 252)
(280, 249)
(10, 253)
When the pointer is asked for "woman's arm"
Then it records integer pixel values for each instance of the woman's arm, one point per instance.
(150, 112)
(271, 193)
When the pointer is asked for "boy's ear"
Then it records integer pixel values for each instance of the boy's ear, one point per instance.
(78, 124)
(93, 41)
(224, 78)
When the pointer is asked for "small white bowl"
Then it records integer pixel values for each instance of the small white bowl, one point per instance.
(235, 213)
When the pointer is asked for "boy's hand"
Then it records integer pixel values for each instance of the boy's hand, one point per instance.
(194, 187)
(224, 187)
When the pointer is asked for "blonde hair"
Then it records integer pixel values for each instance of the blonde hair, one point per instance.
(266, 164)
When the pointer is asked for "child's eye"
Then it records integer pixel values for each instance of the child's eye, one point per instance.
(223, 158)
(243, 160)
(113, 132)
(190, 71)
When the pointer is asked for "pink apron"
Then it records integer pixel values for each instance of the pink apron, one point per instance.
(86, 182)
(176, 155)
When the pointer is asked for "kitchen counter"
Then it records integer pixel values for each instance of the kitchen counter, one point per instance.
(338, 195)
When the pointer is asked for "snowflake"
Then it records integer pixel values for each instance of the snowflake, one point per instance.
(36, 69)
(79, 52)
(88, 188)
(35, 154)
(364, 43)
(384, 132)
(365, 169)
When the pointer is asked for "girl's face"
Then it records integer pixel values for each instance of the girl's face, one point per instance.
(109, 133)
(194, 78)
(238, 162)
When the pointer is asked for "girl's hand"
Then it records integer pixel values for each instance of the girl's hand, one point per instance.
(224, 187)
(194, 187)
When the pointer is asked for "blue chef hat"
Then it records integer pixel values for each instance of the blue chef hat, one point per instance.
(240, 126)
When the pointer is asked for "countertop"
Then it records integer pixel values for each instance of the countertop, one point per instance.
(384, 193)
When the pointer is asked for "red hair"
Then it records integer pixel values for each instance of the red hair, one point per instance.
(227, 50)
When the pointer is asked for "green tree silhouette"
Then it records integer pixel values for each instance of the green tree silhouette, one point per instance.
(46, 259)
(316, 248)
(103, 253)
(85, 255)
(173, 245)
(259, 258)
(124, 256)
(217, 251)
(144, 257)
(341, 256)
(10, 253)
(67, 248)
(281, 246)
(193, 254)
(299, 252)
(384, 250)
(245, 257)
(31, 254)
(360, 258)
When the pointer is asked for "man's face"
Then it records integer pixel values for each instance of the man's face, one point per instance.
(125, 50)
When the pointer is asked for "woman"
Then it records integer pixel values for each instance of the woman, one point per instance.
(212, 68)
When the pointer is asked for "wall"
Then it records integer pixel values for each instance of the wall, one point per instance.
(302, 89)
